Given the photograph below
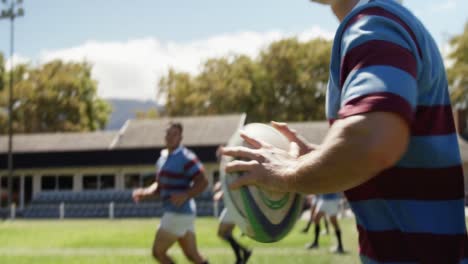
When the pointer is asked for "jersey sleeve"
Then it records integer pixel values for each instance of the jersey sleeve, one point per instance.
(193, 166)
(379, 69)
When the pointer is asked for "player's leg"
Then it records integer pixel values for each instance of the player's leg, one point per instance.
(312, 214)
(225, 228)
(188, 244)
(325, 221)
(225, 233)
(315, 243)
(336, 226)
(162, 242)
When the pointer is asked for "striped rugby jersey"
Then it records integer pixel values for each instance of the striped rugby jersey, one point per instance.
(175, 172)
(383, 59)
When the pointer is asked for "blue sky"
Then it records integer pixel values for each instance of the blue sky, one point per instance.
(132, 43)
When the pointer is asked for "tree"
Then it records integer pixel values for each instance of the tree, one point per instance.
(55, 97)
(458, 72)
(286, 82)
(297, 77)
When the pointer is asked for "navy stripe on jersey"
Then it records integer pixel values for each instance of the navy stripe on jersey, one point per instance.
(395, 246)
(378, 102)
(378, 11)
(378, 52)
(412, 184)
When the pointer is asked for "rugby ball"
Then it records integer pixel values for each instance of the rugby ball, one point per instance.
(262, 215)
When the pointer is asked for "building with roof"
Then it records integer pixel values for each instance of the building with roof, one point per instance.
(117, 160)
(124, 159)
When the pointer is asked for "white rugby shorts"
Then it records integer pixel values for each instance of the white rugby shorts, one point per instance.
(226, 217)
(329, 207)
(177, 224)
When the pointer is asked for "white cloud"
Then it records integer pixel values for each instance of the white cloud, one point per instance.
(437, 7)
(131, 69)
(444, 5)
(17, 59)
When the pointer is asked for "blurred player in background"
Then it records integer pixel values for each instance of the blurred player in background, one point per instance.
(327, 206)
(226, 224)
(311, 200)
(179, 178)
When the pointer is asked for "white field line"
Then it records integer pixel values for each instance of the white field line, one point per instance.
(135, 251)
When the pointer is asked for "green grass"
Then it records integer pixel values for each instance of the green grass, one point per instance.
(129, 241)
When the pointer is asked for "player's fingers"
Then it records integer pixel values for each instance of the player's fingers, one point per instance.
(245, 180)
(283, 128)
(239, 165)
(294, 149)
(242, 153)
(255, 143)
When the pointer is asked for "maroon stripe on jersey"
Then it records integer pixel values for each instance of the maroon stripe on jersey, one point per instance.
(378, 102)
(396, 246)
(412, 184)
(171, 175)
(190, 164)
(433, 120)
(378, 11)
(377, 52)
(169, 187)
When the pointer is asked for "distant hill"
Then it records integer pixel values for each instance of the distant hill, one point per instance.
(124, 109)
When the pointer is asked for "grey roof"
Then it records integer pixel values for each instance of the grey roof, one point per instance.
(198, 131)
(314, 132)
(47, 142)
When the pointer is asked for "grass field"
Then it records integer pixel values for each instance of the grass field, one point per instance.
(129, 240)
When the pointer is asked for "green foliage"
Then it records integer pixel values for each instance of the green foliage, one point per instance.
(286, 82)
(54, 97)
(152, 113)
(458, 73)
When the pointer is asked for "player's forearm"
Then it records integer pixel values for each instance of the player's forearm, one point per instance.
(151, 190)
(199, 185)
(354, 151)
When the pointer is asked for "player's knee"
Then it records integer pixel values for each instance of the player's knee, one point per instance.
(191, 256)
(222, 233)
(157, 253)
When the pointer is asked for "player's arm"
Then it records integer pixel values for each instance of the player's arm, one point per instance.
(199, 185)
(144, 193)
(217, 186)
(355, 149)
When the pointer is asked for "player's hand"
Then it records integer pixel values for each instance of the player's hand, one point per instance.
(179, 198)
(138, 194)
(264, 165)
(218, 195)
(296, 140)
